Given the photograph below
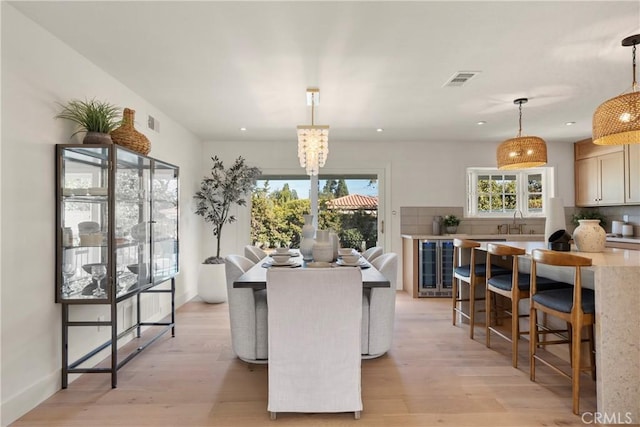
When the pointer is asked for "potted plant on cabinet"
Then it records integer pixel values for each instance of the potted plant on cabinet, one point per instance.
(96, 118)
(218, 193)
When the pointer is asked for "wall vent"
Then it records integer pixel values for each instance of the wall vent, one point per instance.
(460, 78)
(153, 123)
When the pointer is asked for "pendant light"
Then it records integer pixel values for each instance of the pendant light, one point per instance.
(522, 151)
(313, 141)
(617, 121)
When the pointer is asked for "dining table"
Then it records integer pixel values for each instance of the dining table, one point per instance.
(615, 278)
(256, 276)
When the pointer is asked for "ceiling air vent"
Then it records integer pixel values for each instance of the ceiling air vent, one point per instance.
(460, 78)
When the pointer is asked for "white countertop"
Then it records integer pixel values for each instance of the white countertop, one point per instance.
(513, 237)
(610, 257)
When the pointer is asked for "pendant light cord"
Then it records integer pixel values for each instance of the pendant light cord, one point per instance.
(520, 120)
(312, 106)
(635, 83)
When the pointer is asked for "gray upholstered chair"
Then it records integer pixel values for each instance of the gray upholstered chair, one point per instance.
(314, 340)
(372, 253)
(254, 253)
(247, 314)
(378, 309)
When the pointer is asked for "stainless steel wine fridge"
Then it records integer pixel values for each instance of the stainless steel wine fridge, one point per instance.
(435, 268)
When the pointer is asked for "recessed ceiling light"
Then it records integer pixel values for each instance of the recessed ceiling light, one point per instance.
(243, 129)
(570, 123)
(379, 130)
(481, 122)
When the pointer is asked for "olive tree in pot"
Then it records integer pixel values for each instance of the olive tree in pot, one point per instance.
(218, 193)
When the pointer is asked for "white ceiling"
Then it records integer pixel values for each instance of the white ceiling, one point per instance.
(218, 66)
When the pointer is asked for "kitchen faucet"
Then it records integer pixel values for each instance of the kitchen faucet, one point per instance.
(516, 228)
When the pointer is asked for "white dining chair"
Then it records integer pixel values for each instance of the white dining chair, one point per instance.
(314, 340)
(379, 305)
(372, 253)
(247, 313)
(254, 253)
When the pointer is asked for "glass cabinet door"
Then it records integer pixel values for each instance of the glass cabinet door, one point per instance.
(132, 234)
(83, 224)
(165, 220)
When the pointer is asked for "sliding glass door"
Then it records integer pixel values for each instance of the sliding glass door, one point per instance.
(347, 204)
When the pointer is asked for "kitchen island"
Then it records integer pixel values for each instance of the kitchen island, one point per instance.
(615, 278)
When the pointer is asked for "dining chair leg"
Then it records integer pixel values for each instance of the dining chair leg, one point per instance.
(487, 316)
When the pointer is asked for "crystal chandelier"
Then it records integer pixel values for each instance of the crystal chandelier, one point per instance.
(313, 141)
(522, 151)
(617, 121)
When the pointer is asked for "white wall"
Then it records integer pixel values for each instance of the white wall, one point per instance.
(417, 174)
(38, 71)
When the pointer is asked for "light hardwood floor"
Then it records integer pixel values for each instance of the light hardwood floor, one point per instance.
(433, 376)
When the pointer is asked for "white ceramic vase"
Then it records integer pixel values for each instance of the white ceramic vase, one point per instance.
(589, 236)
(322, 248)
(212, 283)
(335, 243)
(306, 242)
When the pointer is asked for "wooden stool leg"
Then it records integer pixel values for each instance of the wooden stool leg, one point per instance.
(533, 342)
(487, 317)
(592, 351)
(454, 292)
(472, 307)
(575, 368)
(515, 332)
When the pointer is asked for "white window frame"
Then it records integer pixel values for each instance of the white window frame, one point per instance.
(548, 185)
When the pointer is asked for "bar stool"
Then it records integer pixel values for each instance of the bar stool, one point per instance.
(575, 305)
(472, 274)
(514, 286)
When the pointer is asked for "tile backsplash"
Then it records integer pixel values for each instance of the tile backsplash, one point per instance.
(419, 219)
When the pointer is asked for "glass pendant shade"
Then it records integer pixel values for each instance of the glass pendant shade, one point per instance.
(313, 147)
(313, 141)
(521, 152)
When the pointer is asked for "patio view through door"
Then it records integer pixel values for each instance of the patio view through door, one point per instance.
(347, 204)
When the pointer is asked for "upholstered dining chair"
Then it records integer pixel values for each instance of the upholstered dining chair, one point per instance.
(247, 314)
(254, 253)
(372, 253)
(314, 340)
(467, 270)
(575, 305)
(514, 286)
(378, 309)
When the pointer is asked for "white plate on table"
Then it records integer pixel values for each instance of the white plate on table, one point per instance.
(289, 263)
(360, 263)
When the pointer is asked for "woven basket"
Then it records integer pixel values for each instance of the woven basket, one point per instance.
(127, 136)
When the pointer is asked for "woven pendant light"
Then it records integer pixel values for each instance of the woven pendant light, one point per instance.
(521, 152)
(617, 121)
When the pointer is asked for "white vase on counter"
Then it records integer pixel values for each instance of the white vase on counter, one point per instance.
(306, 243)
(589, 236)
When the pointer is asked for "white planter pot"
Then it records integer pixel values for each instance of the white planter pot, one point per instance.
(212, 283)
(589, 236)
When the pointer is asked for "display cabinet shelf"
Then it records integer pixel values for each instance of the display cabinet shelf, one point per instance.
(117, 245)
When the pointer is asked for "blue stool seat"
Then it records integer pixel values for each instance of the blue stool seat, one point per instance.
(481, 270)
(542, 283)
(562, 300)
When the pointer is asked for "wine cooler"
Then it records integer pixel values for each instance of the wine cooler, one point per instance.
(435, 268)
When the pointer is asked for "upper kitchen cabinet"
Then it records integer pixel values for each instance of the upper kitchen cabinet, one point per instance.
(599, 174)
(633, 173)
